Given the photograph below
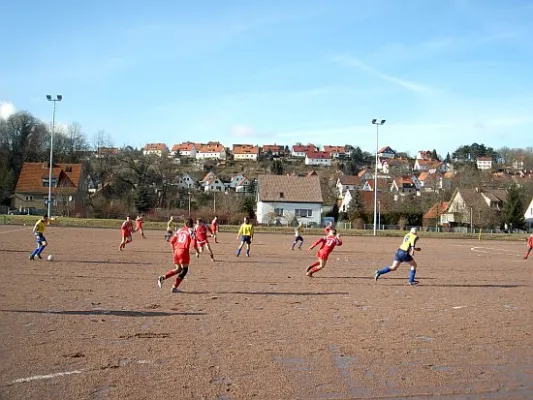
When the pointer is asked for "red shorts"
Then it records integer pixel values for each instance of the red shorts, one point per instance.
(323, 256)
(201, 243)
(182, 258)
(213, 229)
(126, 235)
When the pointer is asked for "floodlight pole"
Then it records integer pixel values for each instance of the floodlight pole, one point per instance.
(51, 166)
(375, 122)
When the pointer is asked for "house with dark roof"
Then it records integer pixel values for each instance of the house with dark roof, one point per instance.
(280, 199)
(475, 207)
(68, 187)
(212, 183)
(348, 182)
(386, 152)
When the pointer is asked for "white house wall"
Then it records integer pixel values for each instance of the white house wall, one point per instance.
(264, 209)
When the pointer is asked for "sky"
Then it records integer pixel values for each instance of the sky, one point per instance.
(442, 73)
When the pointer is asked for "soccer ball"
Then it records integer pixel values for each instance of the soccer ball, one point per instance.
(50, 257)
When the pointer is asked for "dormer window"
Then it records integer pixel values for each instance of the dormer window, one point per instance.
(281, 195)
(46, 184)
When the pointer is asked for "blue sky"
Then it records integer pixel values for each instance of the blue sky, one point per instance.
(441, 72)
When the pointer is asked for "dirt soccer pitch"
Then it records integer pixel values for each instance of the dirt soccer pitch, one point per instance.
(94, 325)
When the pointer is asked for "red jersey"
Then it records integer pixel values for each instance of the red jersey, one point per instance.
(530, 241)
(328, 244)
(127, 227)
(214, 226)
(201, 232)
(181, 241)
(139, 222)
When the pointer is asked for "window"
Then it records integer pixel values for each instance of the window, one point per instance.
(305, 213)
(278, 212)
(29, 198)
(281, 195)
(45, 199)
(45, 182)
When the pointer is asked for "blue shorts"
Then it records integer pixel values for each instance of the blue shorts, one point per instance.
(39, 237)
(246, 239)
(299, 238)
(402, 256)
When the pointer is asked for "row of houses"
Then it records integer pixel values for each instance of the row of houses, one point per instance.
(280, 199)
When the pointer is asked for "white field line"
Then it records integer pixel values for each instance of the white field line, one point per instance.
(492, 250)
(15, 230)
(49, 376)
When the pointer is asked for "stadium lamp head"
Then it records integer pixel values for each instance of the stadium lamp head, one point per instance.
(374, 121)
(48, 97)
(382, 121)
(60, 97)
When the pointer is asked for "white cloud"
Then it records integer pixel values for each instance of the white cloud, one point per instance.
(242, 131)
(409, 85)
(6, 109)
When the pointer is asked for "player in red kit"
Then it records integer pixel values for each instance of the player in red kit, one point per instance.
(127, 231)
(214, 228)
(139, 221)
(328, 228)
(181, 245)
(327, 243)
(201, 231)
(529, 246)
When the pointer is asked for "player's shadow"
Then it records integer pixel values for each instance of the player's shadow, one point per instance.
(362, 277)
(488, 285)
(109, 262)
(275, 293)
(115, 313)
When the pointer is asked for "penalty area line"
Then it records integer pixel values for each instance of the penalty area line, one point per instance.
(49, 376)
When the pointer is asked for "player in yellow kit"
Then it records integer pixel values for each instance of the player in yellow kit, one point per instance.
(246, 234)
(38, 231)
(298, 236)
(404, 254)
(171, 226)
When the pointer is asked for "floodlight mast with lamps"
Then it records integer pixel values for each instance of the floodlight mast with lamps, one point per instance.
(51, 166)
(378, 124)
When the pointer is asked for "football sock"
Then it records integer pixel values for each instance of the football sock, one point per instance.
(178, 281)
(34, 252)
(40, 250)
(316, 263)
(384, 270)
(315, 269)
(412, 274)
(170, 273)
(238, 252)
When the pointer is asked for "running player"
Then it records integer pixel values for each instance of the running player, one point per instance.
(529, 246)
(139, 221)
(171, 226)
(38, 232)
(328, 243)
(181, 244)
(200, 234)
(404, 254)
(298, 236)
(246, 234)
(127, 231)
(214, 228)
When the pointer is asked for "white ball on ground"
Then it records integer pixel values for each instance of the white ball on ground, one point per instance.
(50, 257)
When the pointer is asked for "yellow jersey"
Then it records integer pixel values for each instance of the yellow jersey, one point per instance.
(246, 230)
(409, 241)
(298, 231)
(171, 226)
(39, 226)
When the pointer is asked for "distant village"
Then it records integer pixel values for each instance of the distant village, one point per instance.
(459, 193)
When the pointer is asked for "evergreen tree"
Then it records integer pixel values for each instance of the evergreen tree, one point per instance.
(276, 167)
(143, 199)
(356, 207)
(248, 206)
(448, 158)
(334, 213)
(513, 212)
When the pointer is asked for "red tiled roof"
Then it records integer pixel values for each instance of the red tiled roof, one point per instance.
(245, 149)
(210, 147)
(367, 198)
(350, 180)
(272, 147)
(304, 149)
(31, 177)
(155, 147)
(362, 172)
(437, 209)
(291, 189)
(384, 149)
(383, 183)
(334, 149)
(185, 146)
(318, 155)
